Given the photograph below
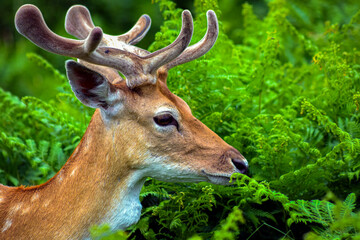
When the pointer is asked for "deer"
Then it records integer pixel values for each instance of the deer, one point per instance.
(139, 129)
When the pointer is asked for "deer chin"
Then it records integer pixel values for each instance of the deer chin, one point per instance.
(216, 178)
(161, 168)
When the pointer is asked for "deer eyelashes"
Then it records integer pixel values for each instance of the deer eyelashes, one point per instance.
(166, 119)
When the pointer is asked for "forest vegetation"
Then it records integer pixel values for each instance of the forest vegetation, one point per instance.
(281, 84)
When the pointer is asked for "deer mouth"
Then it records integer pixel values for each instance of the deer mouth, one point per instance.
(219, 179)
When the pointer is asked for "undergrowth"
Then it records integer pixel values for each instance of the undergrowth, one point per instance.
(287, 95)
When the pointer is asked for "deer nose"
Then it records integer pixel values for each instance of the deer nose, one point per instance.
(240, 164)
(238, 160)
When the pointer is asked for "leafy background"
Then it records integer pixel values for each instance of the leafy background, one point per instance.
(281, 85)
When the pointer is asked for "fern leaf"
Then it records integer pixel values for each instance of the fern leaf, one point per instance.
(348, 206)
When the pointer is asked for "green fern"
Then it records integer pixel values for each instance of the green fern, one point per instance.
(337, 221)
(348, 206)
(314, 211)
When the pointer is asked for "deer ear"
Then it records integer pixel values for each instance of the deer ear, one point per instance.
(90, 87)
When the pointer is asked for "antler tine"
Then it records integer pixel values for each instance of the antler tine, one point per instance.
(78, 21)
(137, 32)
(202, 47)
(30, 23)
(169, 53)
(93, 40)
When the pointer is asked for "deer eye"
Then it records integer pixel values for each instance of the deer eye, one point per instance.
(166, 119)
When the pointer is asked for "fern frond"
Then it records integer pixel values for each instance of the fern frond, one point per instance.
(348, 206)
(314, 211)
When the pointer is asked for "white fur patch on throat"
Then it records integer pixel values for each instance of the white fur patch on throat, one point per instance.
(125, 207)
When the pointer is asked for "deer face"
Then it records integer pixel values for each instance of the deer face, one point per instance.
(191, 148)
(165, 141)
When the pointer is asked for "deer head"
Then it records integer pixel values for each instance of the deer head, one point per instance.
(179, 142)
(140, 129)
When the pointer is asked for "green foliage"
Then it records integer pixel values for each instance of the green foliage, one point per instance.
(335, 221)
(282, 85)
(186, 209)
(104, 232)
(37, 136)
(229, 229)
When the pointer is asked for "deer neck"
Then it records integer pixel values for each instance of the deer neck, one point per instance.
(95, 186)
(100, 166)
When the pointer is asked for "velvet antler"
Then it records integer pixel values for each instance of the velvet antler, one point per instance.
(200, 48)
(137, 69)
(115, 52)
